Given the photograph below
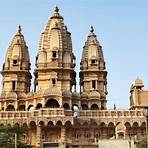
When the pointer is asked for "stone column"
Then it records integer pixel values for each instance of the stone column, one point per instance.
(26, 105)
(62, 143)
(43, 102)
(16, 105)
(5, 105)
(38, 137)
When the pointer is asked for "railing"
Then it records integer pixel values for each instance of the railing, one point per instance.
(60, 112)
(111, 113)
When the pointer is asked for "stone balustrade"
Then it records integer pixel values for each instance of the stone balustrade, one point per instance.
(59, 112)
(111, 113)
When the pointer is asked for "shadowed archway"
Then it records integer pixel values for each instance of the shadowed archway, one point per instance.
(10, 108)
(52, 103)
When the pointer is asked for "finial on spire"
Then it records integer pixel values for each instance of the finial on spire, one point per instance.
(91, 29)
(19, 29)
(114, 106)
(56, 9)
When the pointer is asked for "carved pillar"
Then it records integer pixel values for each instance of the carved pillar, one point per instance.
(26, 105)
(38, 137)
(43, 102)
(5, 105)
(63, 138)
(16, 105)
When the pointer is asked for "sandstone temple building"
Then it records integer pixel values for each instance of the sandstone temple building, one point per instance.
(54, 114)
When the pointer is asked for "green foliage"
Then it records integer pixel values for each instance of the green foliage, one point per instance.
(7, 136)
(142, 143)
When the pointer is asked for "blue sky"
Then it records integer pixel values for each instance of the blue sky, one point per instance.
(121, 27)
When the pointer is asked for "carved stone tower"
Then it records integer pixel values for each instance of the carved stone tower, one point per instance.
(93, 82)
(16, 75)
(55, 60)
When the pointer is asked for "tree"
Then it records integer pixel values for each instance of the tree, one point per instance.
(142, 143)
(9, 134)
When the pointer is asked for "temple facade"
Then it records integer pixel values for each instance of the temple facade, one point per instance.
(55, 114)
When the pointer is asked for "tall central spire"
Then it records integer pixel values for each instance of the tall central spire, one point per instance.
(55, 58)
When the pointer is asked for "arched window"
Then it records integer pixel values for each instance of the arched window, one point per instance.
(52, 103)
(10, 108)
(66, 106)
(94, 107)
(39, 105)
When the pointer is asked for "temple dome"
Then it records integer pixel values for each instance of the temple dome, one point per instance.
(94, 95)
(66, 94)
(84, 95)
(52, 91)
(75, 95)
(30, 94)
(138, 82)
(11, 95)
(21, 95)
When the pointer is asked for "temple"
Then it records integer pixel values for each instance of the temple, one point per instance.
(55, 114)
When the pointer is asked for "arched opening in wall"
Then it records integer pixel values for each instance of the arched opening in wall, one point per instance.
(52, 103)
(143, 129)
(39, 105)
(59, 123)
(102, 125)
(111, 130)
(128, 129)
(30, 107)
(84, 107)
(21, 108)
(50, 124)
(68, 124)
(103, 130)
(41, 123)
(135, 128)
(94, 107)
(10, 108)
(32, 124)
(66, 106)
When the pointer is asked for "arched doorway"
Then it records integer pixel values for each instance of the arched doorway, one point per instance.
(52, 103)
(10, 108)
(39, 105)
(66, 106)
(94, 107)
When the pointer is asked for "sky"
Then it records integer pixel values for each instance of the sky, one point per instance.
(120, 25)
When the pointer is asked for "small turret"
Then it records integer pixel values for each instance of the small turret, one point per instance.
(93, 72)
(16, 75)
